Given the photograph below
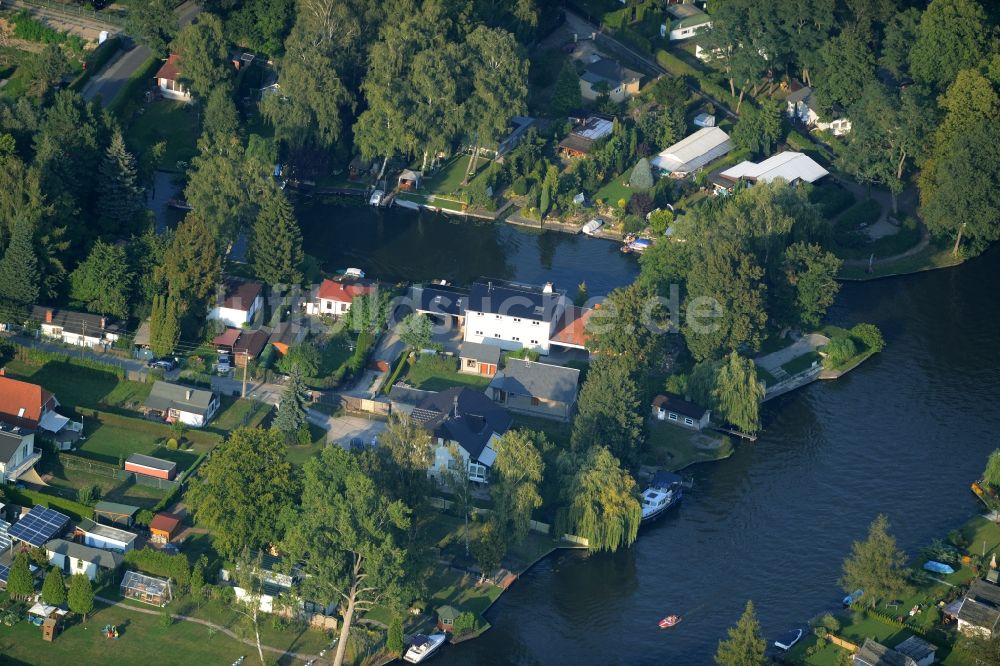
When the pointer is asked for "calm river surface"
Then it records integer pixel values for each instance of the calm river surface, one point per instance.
(903, 434)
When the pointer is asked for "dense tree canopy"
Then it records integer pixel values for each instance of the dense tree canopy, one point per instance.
(952, 35)
(604, 509)
(610, 411)
(103, 283)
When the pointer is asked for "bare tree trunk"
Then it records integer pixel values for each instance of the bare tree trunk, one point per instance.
(381, 172)
(958, 239)
(345, 629)
(423, 164)
(895, 203)
(732, 87)
(256, 628)
(472, 165)
(739, 103)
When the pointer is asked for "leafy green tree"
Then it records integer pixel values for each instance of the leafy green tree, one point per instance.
(991, 475)
(201, 48)
(629, 325)
(952, 35)
(869, 336)
(876, 565)
(848, 66)
(415, 331)
(103, 282)
(19, 272)
(839, 351)
(309, 109)
(198, 578)
(353, 536)
(146, 257)
(410, 448)
(20, 582)
(961, 197)
(582, 295)
(811, 273)
(900, 34)
(291, 417)
(739, 393)
(304, 356)
(518, 471)
(725, 303)
(54, 588)
(665, 265)
(745, 645)
(566, 92)
(489, 547)
(221, 185)
(152, 23)
(120, 200)
(642, 176)
(987, 650)
(610, 412)
(759, 128)
(604, 509)
(192, 266)
(261, 24)
(276, 254)
(164, 326)
(81, 595)
(394, 639)
(221, 116)
(240, 492)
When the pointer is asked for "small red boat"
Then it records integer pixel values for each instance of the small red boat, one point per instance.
(669, 621)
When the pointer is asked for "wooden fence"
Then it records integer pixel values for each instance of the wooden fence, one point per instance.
(377, 407)
(840, 642)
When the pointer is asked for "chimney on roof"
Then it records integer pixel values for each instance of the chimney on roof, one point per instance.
(455, 414)
(3, 372)
(48, 316)
(547, 289)
(104, 323)
(187, 394)
(489, 286)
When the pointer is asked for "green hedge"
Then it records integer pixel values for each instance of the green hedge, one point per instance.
(400, 364)
(39, 357)
(159, 563)
(27, 497)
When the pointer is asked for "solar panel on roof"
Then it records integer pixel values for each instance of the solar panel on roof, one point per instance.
(4, 537)
(38, 526)
(4, 572)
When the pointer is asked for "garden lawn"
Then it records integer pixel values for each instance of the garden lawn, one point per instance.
(299, 454)
(448, 179)
(674, 448)
(982, 534)
(929, 258)
(174, 123)
(439, 372)
(108, 437)
(615, 191)
(235, 412)
(558, 432)
(67, 481)
(800, 363)
(76, 386)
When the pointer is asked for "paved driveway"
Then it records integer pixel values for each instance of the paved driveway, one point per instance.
(807, 343)
(342, 429)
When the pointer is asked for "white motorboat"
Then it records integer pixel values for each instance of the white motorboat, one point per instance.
(423, 647)
(593, 227)
(376, 198)
(665, 490)
(788, 639)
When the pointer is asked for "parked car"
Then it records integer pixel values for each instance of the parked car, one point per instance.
(167, 364)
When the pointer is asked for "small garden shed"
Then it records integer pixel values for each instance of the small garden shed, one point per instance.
(147, 589)
(446, 618)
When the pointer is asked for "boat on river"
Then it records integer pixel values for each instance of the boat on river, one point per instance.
(423, 647)
(593, 227)
(788, 639)
(665, 490)
(670, 621)
(938, 567)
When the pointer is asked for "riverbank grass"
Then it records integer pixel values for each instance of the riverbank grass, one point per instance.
(930, 258)
(673, 448)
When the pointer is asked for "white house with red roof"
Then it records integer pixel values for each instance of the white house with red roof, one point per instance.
(31, 407)
(168, 80)
(334, 297)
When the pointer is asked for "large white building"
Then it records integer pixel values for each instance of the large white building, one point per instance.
(513, 316)
(693, 152)
(237, 302)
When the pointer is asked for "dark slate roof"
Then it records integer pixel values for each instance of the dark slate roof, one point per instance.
(165, 396)
(239, 294)
(538, 380)
(151, 462)
(75, 322)
(408, 395)
(675, 403)
(439, 299)
(801, 95)
(514, 300)
(102, 558)
(876, 654)
(981, 606)
(11, 437)
(480, 352)
(608, 70)
(576, 143)
(251, 343)
(464, 416)
(916, 648)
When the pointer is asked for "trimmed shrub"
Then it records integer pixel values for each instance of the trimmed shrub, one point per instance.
(869, 336)
(839, 351)
(159, 563)
(520, 186)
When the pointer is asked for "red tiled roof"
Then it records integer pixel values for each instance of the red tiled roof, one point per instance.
(572, 327)
(343, 292)
(170, 69)
(16, 395)
(164, 522)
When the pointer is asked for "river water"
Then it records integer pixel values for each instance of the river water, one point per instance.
(903, 434)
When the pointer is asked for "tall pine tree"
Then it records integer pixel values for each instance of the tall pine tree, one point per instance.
(276, 247)
(164, 326)
(291, 417)
(745, 646)
(192, 265)
(19, 273)
(120, 196)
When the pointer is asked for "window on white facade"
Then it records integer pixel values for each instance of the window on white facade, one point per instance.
(517, 339)
(672, 416)
(479, 332)
(534, 342)
(534, 323)
(496, 335)
(470, 363)
(688, 421)
(517, 319)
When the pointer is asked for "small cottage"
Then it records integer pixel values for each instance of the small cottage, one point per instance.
(979, 613)
(104, 536)
(237, 302)
(168, 80)
(114, 513)
(164, 527)
(672, 408)
(74, 558)
(539, 389)
(446, 618)
(476, 358)
(409, 179)
(175, 402)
